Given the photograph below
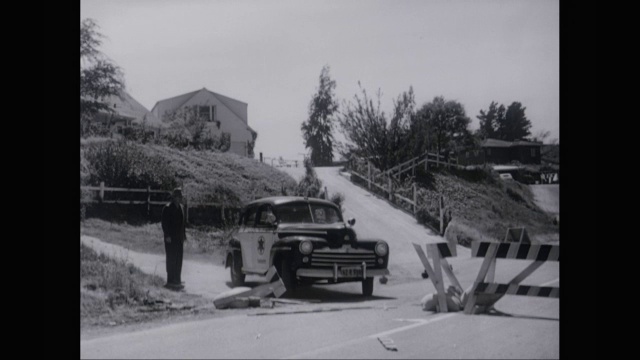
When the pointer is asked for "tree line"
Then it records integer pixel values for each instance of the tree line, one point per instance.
(439, 125)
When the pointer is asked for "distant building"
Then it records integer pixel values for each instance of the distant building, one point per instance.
(495, 151)
(224, 114)
(126, 112)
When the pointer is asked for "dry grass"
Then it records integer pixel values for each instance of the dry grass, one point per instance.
(486, 209)
(481, 206)
(211, 177)
(113, 292)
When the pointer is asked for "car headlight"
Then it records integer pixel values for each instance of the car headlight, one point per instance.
(382, 248)
(306, 247)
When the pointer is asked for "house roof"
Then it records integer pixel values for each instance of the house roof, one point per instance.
(177, 101)
(126, 106)
(495, 143)
(525, 143)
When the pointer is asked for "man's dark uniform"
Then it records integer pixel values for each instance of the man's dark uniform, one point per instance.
(173, 225)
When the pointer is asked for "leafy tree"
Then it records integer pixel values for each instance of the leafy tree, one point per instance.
(99, 77)
(515, 124)
(365, 126)
(490, 120)
(441, 125)
(398, 133)
(317, 129)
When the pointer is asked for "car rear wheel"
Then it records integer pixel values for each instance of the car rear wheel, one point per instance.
(367, 286)
(237, 277)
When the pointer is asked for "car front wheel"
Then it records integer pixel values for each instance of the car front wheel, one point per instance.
(287, 275)
(367, 286)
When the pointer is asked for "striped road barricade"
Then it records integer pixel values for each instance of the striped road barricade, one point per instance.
(491, 251)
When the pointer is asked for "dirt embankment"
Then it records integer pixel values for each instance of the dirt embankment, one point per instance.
(486, 209)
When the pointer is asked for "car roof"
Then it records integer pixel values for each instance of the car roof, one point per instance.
(279, 200)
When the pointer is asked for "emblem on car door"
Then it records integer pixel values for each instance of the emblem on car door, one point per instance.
(261, 245)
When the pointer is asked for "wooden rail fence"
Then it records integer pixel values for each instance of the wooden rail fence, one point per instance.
(383, 180)
(102, 189)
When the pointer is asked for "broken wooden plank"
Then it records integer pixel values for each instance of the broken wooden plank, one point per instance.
(276, 288)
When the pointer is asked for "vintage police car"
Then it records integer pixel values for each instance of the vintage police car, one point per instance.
(307, 241)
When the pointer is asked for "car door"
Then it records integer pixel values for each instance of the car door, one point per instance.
(265, 236)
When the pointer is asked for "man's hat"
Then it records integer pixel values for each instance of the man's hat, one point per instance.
(177, 192)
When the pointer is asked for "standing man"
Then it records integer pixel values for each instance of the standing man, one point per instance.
(173, 227)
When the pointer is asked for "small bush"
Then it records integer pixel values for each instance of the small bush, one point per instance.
(309, 185)
(429, 217)
(121, 164)
(338, 199)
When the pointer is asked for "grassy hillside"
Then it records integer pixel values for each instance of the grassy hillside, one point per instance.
(486, 209)
(206, 176)
(478, 206)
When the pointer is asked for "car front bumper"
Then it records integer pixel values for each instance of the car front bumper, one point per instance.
(335, 273)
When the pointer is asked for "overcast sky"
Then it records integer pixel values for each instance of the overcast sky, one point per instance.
(269, 54)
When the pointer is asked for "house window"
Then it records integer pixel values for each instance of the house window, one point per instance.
(208, 112)
(533, 151)
(488, 151)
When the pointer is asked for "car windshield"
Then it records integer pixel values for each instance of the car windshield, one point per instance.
(297, 213)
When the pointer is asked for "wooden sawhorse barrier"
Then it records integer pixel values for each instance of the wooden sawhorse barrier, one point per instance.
(439, 252)
(491, 251)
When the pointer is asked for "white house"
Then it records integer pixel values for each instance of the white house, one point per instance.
(224, 115)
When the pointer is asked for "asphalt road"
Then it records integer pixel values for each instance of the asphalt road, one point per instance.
(346, 325)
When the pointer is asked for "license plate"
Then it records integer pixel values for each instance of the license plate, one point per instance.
(351, 271)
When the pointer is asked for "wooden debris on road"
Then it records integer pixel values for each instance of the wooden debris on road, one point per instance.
(248, 298)
(388, 343)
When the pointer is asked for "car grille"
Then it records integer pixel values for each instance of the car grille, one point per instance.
(342, 259)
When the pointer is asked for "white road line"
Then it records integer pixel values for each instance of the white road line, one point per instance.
(419, 322)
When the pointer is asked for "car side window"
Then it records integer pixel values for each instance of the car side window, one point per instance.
(250, 217)
(265, 216)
